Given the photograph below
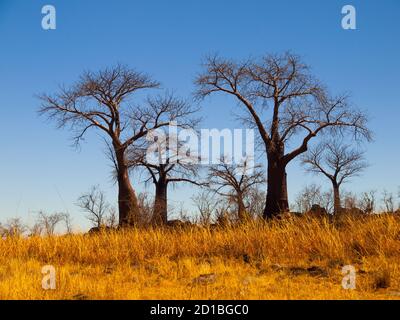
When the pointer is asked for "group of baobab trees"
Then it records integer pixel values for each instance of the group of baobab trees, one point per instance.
(279, 97)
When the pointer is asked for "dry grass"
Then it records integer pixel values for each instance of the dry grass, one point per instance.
(299, 258)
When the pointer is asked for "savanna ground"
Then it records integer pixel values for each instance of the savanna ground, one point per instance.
(294, 258)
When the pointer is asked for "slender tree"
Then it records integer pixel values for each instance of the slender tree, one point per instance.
(285, 103)
(95, 205)
(235, 182)
(206, 206)
(166, 166)
(336, 161)
(103, 100)
(49, 222)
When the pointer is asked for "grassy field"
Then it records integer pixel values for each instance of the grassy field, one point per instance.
(296, 258)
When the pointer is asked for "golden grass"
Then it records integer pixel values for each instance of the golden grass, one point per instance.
(296, 258)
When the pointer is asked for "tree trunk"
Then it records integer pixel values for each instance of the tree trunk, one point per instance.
(337, 206)
(277, 196)
(242, 214)
(127, 202)
(160, 211)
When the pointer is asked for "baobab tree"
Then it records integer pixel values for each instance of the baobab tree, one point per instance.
(235, 182)
(164, 167)
(336, 161)
(286, 104)
(103, 101)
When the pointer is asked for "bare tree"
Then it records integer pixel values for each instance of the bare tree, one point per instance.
(94, 203)
(367, 202)
(225, 214)
(336, 161)
(66, 217)
(206, 206)
(299, 105)
(36, 229)
(112, 219)
(13, 228)
(235, 181)
(49, 222)
(183, 214)
(165, 166)
(388, 201)
(255, 202)
(103, 101)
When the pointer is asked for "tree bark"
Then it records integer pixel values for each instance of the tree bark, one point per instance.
(337, 206)
(242, 214)
(160, 213)
(277, 195)
(127, 202)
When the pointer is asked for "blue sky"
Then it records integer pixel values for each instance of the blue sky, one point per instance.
(39, 169)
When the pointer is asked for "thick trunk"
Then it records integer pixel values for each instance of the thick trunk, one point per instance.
(160, 213)
(127, 202)
(277, 197)
(337, 206)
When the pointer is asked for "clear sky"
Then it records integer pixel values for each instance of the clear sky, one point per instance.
(39, 169)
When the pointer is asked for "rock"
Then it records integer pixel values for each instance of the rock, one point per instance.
(351, 211)
(246, 258)
(96, 230)
(178, 224)
(296, 214)
(276, 267)
(313, 271)
(317, 210)
(108, 270)
(297, 271)
(317, 271)
(80, 296)
(205, 279)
